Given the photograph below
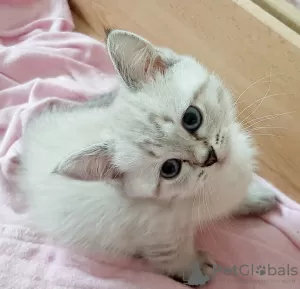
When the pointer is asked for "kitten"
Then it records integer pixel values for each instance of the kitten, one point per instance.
(138, 176)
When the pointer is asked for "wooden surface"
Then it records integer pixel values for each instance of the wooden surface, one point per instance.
(283, 10)
(270, 21)
(236, 45)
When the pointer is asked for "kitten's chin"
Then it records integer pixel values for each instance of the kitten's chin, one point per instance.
(223, 162)
(227, 184)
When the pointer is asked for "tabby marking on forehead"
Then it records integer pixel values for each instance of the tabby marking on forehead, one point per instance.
(167, 119)
(146, 147)
(201, 89)
(152, 143)
(153, 119)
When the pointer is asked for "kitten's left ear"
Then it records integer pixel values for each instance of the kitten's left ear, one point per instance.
(135, 58)
(89, 164)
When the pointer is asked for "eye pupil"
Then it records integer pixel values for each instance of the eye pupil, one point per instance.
(170, 168)
(192, 119)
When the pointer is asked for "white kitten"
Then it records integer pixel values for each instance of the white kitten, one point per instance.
(139, 175)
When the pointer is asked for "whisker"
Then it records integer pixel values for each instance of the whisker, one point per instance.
(224, 221)
(211, 220)
(194, 201)
(260, 102)
(193, 206)
(206, 223)
(267, 134)
(257, 81)
(227, 220)
(221, 220)
(265, 127)
(266, 117)
(202, 225)
(261, 99)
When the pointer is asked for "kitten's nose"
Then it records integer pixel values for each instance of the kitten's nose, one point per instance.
(211, 158)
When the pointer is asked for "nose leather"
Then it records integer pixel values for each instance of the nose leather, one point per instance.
(211, 158)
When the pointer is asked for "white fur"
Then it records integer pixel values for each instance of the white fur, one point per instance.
(138, 212)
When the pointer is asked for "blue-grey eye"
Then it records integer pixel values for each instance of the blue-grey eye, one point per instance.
(192, 119)
(171, 168)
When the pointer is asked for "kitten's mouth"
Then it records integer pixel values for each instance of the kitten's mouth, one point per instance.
(219, 162)
(211, 158)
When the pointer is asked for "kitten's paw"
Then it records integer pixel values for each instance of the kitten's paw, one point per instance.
(260, 200)
(207, 264)
(200, 273)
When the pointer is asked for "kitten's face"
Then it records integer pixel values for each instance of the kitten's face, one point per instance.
(178, 135)
(173, 133)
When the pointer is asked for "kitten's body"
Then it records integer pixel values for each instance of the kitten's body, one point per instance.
(92, 175)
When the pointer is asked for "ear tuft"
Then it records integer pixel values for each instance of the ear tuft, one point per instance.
(158, 65)
(89, 164)
(107, 30)
(135, 58)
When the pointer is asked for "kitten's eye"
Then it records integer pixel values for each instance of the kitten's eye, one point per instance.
(192, 119)
(170, 169)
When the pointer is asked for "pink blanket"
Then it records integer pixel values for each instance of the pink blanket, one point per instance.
(43, 62)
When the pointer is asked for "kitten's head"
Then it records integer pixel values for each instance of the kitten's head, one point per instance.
(176, 135)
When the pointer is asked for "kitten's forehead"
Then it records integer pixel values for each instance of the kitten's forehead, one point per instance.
(161, 104)
(189, 76)
(174, 91)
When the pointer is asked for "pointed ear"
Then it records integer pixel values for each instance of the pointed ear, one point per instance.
(135, 58)
(89, 164)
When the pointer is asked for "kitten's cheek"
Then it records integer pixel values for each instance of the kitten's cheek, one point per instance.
(224, 156)
(136, 187)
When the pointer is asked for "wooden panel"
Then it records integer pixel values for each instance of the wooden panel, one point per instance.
(270, 21)
(241, 49)
(282, 10)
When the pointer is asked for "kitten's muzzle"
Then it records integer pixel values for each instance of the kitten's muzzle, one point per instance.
(211, 158)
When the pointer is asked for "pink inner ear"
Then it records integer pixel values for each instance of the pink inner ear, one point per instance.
(157, 66)
(89, 168)
(92, 168)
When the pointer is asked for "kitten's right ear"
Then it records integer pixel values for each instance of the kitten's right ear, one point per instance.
(135, 58)
(89, 164)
